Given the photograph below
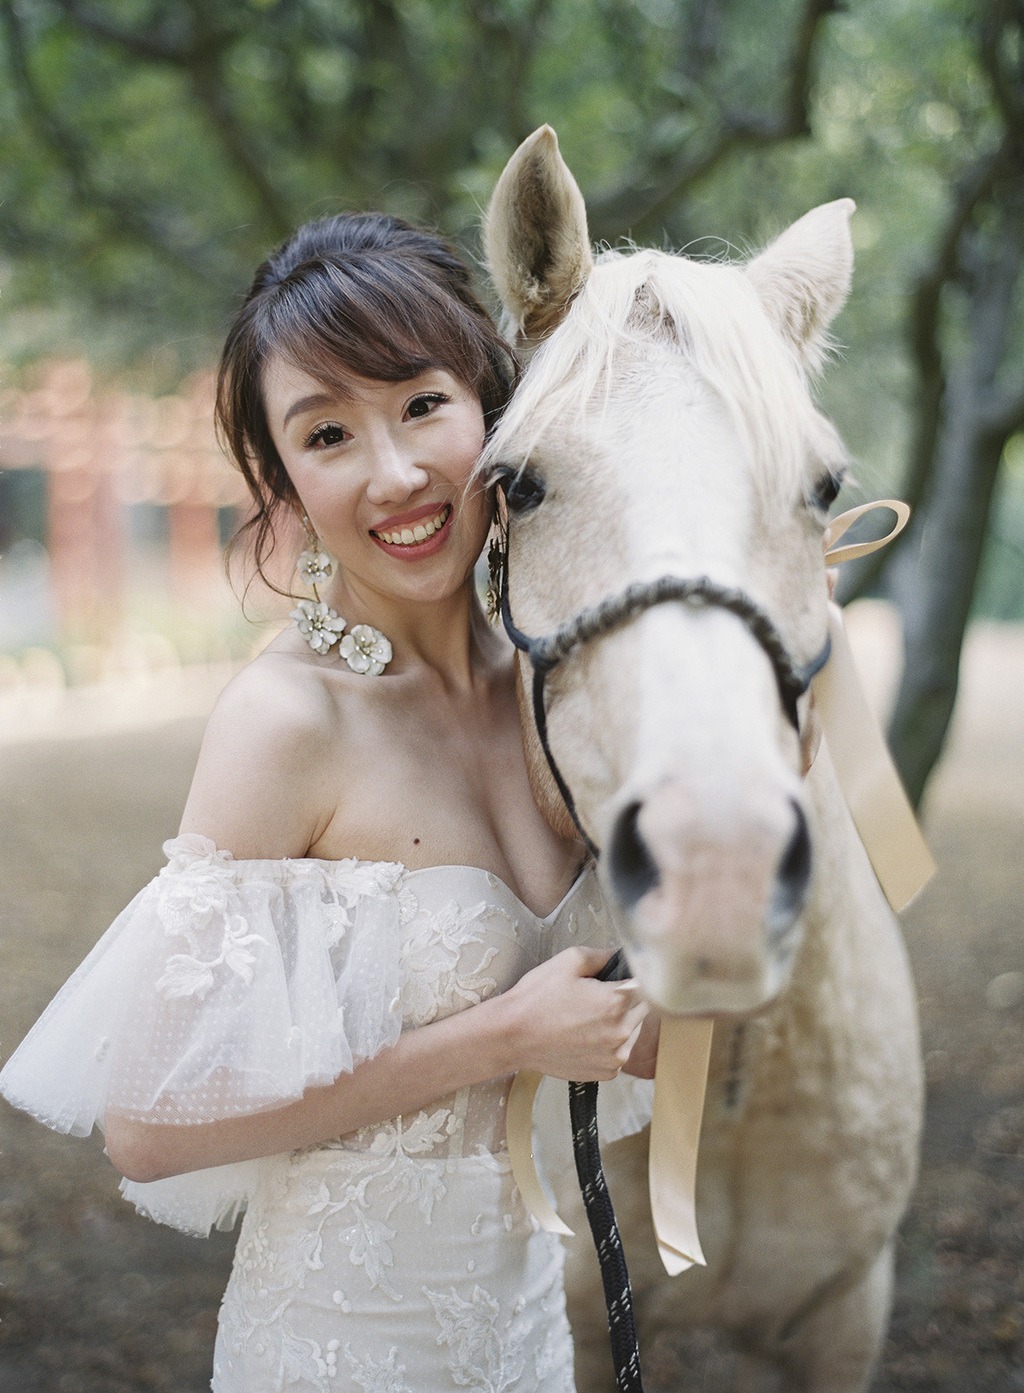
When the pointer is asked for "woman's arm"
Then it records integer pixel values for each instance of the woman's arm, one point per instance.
(557, 1019)
(262, 789)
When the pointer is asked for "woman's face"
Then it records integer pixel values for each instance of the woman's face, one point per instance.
(381, 471)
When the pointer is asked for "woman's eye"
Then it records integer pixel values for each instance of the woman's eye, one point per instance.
(523, 492)
(323, 437)
(425, 404)
(826, 491)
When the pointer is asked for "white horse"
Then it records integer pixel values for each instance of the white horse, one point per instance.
(664, 427)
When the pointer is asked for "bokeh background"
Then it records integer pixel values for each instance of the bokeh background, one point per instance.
(151, 153)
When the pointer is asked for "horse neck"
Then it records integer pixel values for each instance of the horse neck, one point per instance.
(849, 988)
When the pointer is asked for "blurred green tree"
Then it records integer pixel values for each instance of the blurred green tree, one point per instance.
(965, 318)
(151, 151)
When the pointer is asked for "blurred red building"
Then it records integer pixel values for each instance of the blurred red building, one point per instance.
(122, 503)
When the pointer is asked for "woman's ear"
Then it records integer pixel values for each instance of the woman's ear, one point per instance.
(535, 239)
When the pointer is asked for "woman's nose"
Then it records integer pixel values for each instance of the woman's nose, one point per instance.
(395, 474)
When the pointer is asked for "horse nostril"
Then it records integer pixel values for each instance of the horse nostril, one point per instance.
(631, 867)
(792, 878)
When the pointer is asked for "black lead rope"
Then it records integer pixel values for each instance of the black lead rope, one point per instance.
(618, 1294)
(546, 653)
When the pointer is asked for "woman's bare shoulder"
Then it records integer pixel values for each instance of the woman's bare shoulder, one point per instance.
(257, 790)
(279, 690)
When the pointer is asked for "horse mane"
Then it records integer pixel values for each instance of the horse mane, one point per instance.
(640, 301)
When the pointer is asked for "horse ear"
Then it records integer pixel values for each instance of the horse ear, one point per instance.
(804, 277)
(535, 237)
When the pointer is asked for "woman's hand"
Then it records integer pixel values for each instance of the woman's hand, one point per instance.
(565, 1023)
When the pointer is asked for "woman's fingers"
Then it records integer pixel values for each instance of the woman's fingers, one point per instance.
(591, 960)
(574, 1026)
(627, 1049)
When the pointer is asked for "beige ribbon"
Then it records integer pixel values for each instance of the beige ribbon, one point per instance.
(864, 769)
(680, 1080)
(519, 1129)
(838, 527)
(886, 824)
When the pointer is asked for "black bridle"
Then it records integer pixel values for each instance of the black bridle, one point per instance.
(545, 653)
(700, 592)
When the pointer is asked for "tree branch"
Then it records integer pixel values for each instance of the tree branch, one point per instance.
(150, 43)
(972, 189)
(936, 608)
(205, 77)
(198, 55)
(20, 239)
(702, 40)
(1004, 416)
(661, 180)
(72, 155)
(1003, 59)
(797, 120)
(924, 331)
(498, 35)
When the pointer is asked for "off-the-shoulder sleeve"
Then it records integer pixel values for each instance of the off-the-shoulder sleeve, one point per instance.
(225, 988)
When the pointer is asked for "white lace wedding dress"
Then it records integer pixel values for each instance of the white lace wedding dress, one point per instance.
(398, 1259)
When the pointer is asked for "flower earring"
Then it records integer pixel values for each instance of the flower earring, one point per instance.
(364, 648)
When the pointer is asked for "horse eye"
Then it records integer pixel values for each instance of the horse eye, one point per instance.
(826, 491)
(523, 492)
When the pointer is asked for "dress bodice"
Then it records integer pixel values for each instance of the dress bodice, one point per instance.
(465, 937)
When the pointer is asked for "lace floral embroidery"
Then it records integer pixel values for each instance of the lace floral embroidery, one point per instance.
(482, 1354)
(187, 974)
(439, 978)
(377, 1375)
(361, 1215)
(307, 1363)
(197, 900)
(399, 1258)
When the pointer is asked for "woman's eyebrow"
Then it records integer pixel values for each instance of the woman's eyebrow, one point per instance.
(311, 403)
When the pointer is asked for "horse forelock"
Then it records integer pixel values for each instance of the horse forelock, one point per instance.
(642, 303)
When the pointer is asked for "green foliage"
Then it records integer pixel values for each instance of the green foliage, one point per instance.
(152, 151)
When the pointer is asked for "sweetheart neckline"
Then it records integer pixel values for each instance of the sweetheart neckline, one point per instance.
(171, 848)
(496, 879)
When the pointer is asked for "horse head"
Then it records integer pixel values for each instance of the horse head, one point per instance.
(664, 428)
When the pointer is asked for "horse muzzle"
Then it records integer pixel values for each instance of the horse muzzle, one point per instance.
(709, 909)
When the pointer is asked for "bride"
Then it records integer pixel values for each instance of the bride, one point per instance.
(364, 927)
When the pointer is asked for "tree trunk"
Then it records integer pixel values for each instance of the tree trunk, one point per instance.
(935, 579)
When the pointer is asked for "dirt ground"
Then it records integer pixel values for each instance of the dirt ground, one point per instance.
(94, 1299)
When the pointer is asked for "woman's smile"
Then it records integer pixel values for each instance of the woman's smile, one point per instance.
(415, 534)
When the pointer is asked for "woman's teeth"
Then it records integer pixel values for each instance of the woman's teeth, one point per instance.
(409, 536)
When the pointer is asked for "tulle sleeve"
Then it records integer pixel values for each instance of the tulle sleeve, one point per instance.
(225, 988)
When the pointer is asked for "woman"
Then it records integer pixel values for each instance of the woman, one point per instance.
(315, 1009)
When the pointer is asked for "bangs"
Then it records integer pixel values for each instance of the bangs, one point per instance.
(338, 320)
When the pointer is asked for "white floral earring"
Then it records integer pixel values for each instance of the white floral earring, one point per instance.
(364, 648)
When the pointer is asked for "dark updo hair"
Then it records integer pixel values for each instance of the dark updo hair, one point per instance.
(358, 294)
